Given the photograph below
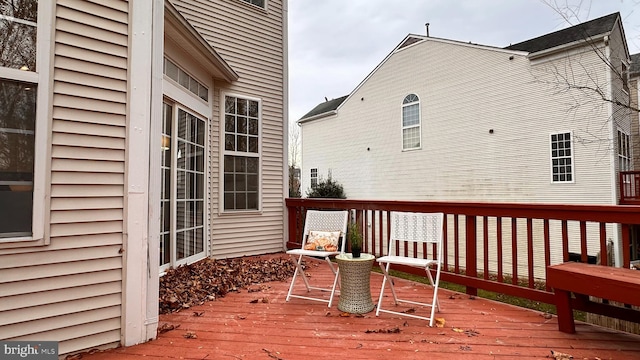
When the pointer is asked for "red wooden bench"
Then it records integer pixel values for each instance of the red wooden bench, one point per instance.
(584, 280)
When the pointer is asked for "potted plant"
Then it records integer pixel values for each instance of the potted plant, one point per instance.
(355, 239)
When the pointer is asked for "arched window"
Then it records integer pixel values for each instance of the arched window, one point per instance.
(411, 122)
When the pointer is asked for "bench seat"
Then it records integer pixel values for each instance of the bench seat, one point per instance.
(584, 280)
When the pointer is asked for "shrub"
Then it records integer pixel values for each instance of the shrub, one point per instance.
(327, 189)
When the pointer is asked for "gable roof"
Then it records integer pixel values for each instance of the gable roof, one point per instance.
(580, 32)
(324, 108)
(634, 69)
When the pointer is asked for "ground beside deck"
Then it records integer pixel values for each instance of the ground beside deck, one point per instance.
(259, 324)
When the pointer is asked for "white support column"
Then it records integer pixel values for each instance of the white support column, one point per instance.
(137, 275)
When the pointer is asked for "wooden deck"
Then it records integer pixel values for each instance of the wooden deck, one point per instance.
(259, 324)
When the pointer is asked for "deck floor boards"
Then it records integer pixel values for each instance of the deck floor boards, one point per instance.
(233, 327)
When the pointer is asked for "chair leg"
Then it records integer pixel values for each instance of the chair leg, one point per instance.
(298, 272)
(435, 290)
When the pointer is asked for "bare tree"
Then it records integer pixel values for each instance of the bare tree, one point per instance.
(294, 160)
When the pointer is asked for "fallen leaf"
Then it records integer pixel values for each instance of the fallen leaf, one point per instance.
(560, 356)
(190, 335)
(395, 330)
(345, 314)
(198, 314)
(241, 317)
(471, 333)
(440, 322)
(410, 311)
(167, 327)
(458, 330)
(465, 348)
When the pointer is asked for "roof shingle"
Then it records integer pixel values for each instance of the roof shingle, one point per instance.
(578, 32)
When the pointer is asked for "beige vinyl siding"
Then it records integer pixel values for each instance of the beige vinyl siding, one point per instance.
(251, 41)
(70, 290)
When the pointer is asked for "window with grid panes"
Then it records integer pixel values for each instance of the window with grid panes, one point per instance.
(411, 122)
(241, 153)
(561, 158)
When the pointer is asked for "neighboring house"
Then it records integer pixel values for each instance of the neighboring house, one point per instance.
(444, 120)
(134, 136)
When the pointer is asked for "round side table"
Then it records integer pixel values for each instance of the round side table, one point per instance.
(355, 289)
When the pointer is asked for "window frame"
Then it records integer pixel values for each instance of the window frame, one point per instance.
(623, 151)
(42, 151)
(571, 157)
(223, 152)
(313, 176)
(250, 3)
(407, 102)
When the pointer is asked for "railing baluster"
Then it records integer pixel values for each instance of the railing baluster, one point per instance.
(530, 252)
(604, 256)
(565, 241)
(499, 248)
(485, 247)
(583, 242)
(456, 246)
(547, 249)
(471, 252)
(514, 251)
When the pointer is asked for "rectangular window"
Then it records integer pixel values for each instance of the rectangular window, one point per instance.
(260, 3)
(624, 152)
(185, 80)
(241, 153)
(24, 28)
(314, 178)
(561, 158)
(625, 78)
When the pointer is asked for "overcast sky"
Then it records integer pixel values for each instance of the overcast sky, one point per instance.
(335, 44)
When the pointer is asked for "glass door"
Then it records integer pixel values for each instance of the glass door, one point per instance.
(182, 201)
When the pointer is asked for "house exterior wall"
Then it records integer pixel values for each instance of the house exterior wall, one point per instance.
(465, 91)
(486, 119)
(71, 289)
(253, 42)
(635, 122)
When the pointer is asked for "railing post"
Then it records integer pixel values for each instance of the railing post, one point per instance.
(292, 242)
(471, 252)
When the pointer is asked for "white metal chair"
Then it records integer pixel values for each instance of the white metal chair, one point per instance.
(320, 238)
(408, 229)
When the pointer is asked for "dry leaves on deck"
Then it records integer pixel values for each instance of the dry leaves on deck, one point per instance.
(193, 284)
(560, 356)
(395, 330)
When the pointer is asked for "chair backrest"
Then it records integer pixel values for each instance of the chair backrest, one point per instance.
(326, 221)
(416, 228)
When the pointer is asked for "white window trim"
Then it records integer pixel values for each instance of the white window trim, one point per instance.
(205, 230)
(223, 152)
(42, 153)
(573, 163)
(419, 125)
(629, 157)
(257, 7)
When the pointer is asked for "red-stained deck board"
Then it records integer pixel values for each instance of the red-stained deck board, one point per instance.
(234, 328)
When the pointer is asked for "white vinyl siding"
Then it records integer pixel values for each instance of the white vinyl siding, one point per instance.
(79, 272)
(252, 42)
(509, 164)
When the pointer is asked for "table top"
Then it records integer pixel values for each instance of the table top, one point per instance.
(349, 257)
